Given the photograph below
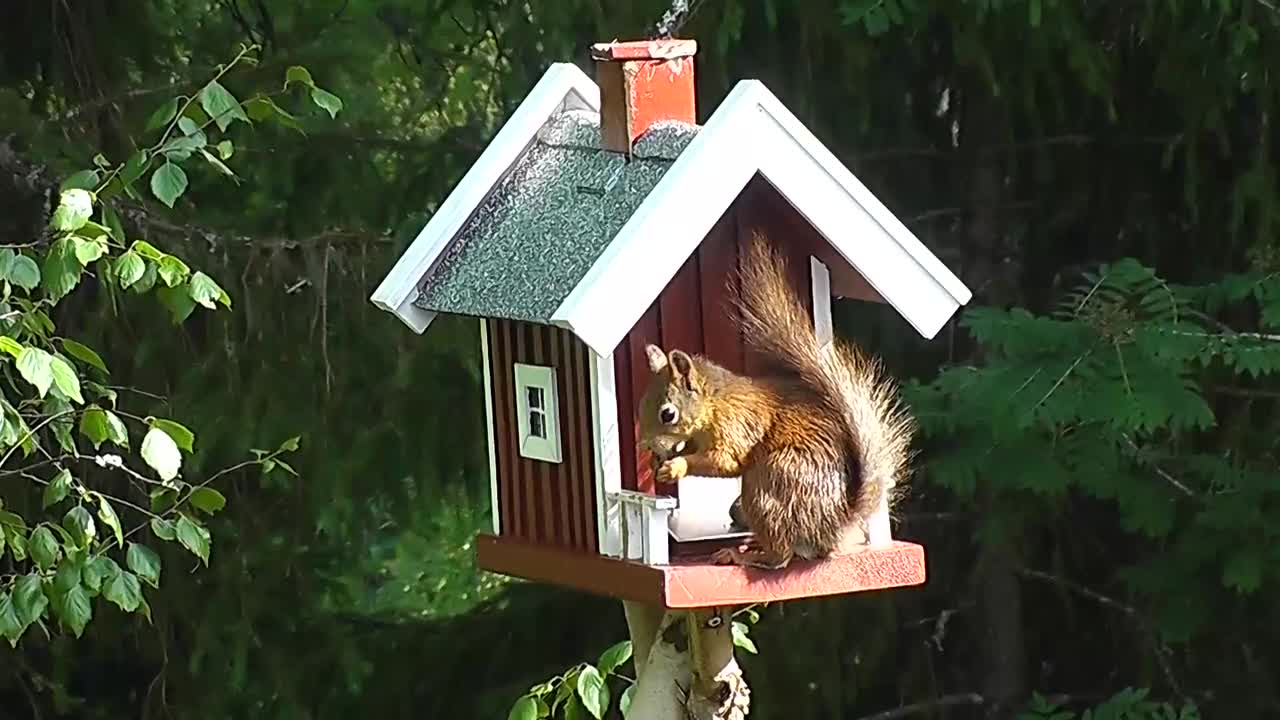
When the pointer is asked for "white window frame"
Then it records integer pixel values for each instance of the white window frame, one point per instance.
(544, 378)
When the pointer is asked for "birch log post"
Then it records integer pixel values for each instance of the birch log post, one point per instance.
(685, 666)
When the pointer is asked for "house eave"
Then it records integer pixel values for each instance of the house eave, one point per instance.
(752, 132)
(563, 86)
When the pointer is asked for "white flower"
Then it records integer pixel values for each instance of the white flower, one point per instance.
(109, 461)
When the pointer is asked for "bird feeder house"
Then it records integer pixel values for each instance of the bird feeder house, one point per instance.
(599, 219)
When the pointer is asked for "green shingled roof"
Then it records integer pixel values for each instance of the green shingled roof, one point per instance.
(539, 231)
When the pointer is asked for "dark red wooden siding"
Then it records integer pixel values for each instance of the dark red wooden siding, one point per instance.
(550, 503)
(693, 314)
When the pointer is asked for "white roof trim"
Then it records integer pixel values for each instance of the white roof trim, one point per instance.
(563, 86)
(752, 132)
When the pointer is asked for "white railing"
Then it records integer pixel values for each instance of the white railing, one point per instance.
(644, 525)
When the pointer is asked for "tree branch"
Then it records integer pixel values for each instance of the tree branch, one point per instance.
(927, 705)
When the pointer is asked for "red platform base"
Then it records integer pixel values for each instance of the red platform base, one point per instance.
(697, 582)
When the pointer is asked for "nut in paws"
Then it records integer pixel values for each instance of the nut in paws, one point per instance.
(672, 470)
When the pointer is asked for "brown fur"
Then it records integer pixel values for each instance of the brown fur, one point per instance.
(818, 439)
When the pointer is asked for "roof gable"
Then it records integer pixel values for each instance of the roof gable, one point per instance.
(562, 87)
(538, 232)
(750, 132)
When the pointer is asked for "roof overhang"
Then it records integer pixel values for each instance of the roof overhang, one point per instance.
(750, 132)
(563, 87)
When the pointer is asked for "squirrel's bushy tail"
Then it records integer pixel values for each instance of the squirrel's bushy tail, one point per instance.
(778, 327)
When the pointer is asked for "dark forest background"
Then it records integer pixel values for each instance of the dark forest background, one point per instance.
(1098, 473)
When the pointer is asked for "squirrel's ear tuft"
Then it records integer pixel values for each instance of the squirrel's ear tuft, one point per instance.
(681, 363)
(657, 358)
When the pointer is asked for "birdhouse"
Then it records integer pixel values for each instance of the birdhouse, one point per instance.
(599, 219)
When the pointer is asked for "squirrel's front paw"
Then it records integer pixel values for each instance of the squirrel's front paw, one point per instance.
(672, 470)
(727, 556)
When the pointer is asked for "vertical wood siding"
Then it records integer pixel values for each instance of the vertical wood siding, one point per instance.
(693, 313)
(549, 503)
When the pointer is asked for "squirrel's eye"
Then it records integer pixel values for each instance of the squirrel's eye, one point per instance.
(668, 414)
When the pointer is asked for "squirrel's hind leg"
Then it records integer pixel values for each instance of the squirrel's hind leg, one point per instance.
(751, 558)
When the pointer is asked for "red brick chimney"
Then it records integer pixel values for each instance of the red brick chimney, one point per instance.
(642, 82)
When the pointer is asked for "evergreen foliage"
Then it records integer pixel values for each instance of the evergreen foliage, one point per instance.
(1100, 426)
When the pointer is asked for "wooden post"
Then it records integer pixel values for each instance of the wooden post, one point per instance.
(685, 666)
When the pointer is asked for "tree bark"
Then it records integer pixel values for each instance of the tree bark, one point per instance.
(685, 666)
(999, 596)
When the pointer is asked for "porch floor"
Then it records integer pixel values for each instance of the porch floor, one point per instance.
(693, 582)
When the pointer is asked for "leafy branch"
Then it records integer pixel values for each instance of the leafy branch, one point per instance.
(67, 538)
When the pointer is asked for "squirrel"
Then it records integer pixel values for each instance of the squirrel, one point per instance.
(819, 437)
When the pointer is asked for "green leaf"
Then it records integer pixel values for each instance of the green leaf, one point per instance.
(1034, 10)
(612, 658)
(206, 292)
(208, 500)
(191, 129)
(24, 273)
(172, 270)
(80, 524)
(12, 521)
(29, 599)
(218, 165)
(183, 437)
(262, 108)
(162, 116)
(65, 378)
(741, 639)
(99, 425)
(61, 271)
(134, 168)
(147, 250)
(101, 161)
(298, 74)
(57, 489)
(145, 562)
(526, 708)
(114, 228)
(194, 537)
(93, 425)
(327, 101)
(87, 251)
(129, 268)
(221, 105)
(11, 346)
(36, 367)
(225, 149)
(117, 433)
(11, 626)
(624, 702)
(168, 183)
(74, 609)
(178, 301)
(67, 577)
(593, 692)
(147, 281)
(163, 529)
(99, 571)
(1243, 571)
(107, 514)
(179, 149)
(161, 453)
(44, 548)
(18, 546)
(290, 445)
(75, 207)
(124, 590)
(84, 354)
(83, 180)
